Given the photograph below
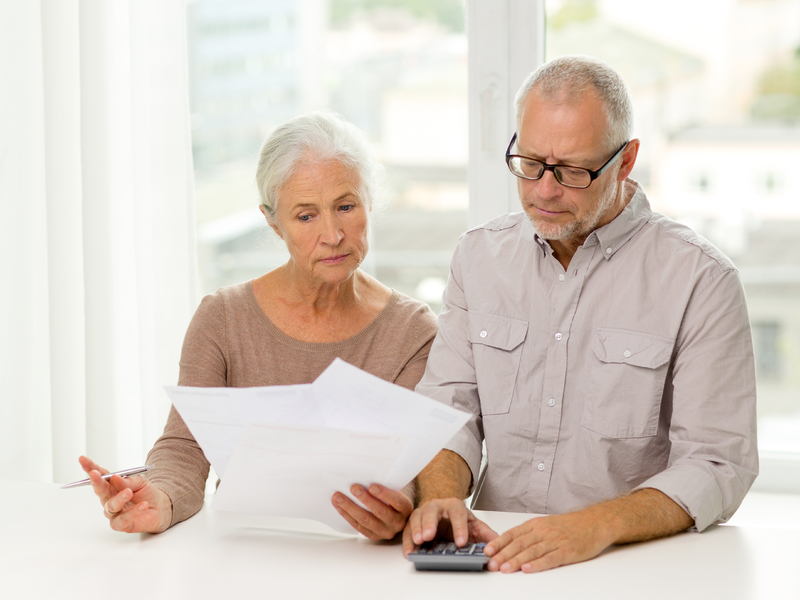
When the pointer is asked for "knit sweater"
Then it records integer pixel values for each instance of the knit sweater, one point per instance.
(230, 342)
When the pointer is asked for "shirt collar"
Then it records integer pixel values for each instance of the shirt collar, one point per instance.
(614, 235)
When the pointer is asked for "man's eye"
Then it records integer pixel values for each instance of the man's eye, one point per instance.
(347, 207)
(530, 165)
(573, 173)
(304, 218)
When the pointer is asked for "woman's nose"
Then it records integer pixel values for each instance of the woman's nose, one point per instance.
(331, 231)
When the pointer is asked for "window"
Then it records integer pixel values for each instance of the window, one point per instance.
(716, 96)
(397, 69)
(716, 99)
(766, 337)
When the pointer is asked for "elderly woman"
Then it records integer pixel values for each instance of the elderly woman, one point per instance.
(317, 178)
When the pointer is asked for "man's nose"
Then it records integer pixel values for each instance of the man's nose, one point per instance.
(547, 186)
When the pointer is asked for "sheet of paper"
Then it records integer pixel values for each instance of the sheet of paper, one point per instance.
(294, 471)
(217, 416)
(284, 450)
(350, 398)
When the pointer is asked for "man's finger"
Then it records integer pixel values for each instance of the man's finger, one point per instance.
(480, 531)
(459, 523)
(496, 545)
(430, 515)
(408, 542)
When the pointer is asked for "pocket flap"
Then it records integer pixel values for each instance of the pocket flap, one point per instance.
(631, 348)
(496, 331)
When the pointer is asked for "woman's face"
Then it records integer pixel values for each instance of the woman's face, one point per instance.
(324, 222)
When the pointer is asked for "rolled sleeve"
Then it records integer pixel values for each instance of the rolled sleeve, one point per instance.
(713, 457)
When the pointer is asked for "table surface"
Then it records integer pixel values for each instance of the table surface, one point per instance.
(56, 543)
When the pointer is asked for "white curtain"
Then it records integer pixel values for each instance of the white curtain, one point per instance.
(97, 246)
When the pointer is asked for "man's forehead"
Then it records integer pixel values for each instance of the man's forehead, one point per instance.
(562, 126)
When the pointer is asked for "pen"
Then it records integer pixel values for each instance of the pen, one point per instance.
(124, 473)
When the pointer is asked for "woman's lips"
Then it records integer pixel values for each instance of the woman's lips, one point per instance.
(333, 260)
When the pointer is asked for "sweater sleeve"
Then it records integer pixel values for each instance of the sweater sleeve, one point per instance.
(181, 467)
(422, 330)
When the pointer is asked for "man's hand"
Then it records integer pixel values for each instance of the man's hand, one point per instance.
(444, 519)
(133, 504)
(552, 541)
(547, 542)
(387, 514)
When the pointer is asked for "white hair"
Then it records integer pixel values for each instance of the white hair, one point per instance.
(319, 136)
(576, 75)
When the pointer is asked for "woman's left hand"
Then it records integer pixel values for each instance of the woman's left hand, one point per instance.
(387, 514)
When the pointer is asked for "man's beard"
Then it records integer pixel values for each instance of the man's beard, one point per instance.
(578, 230)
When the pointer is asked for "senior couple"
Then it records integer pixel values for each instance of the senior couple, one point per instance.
(602, 349)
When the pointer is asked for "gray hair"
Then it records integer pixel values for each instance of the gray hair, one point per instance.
(575, 76)
(320, 136)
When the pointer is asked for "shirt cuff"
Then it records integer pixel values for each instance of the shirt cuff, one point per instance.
(468, 447)
(696, 492)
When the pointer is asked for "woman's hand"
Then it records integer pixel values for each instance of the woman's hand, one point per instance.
(387, 514)
(132, 504)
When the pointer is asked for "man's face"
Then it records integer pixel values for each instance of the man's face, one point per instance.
(567, 133)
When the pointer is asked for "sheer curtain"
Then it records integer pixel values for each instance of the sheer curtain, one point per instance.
(97, 247)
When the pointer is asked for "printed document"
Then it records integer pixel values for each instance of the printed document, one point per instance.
(285, 450)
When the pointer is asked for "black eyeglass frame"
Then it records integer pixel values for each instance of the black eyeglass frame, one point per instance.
(592, 174)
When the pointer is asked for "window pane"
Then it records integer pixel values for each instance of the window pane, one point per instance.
(716, 89)
(395, 68)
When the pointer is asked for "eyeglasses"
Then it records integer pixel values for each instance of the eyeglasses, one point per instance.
(574, 177)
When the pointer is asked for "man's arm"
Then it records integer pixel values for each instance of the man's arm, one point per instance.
(441, 513)
(543, 542)
(446, 476)
(552, 541)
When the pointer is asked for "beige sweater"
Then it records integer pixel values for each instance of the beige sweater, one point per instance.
(231, 343)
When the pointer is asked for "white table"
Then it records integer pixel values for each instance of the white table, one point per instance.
(56, 543)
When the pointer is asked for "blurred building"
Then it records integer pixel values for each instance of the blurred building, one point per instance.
(252, 65)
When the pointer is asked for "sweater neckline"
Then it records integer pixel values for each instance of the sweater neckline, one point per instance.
(283, 338)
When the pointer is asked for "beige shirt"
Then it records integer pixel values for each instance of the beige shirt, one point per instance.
(230, 342)
(633, 368)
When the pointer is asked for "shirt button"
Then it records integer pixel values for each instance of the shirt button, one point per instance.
(561, 277)
(484, 334)
(558, 337)
(627, 354)
(551, 402)
(540, 466)
(609, 250)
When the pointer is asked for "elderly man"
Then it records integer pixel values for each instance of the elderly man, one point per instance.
(603, 350)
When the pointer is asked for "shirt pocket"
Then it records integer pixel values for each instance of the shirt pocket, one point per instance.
(496, 348)
(626, 383)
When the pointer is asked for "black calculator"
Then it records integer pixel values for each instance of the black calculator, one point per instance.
(446, 556)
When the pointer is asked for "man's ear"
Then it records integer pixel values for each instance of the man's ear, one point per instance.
(628, 159)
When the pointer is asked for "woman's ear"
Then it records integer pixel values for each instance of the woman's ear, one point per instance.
(274, 226)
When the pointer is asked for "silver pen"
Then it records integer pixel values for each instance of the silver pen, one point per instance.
(124, 473)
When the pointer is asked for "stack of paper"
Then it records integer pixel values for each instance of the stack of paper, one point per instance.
(285, 450)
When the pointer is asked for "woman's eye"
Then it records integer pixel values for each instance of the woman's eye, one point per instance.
(347, 207)
(304, 218)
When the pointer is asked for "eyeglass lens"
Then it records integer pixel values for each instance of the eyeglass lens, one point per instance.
(532, 169)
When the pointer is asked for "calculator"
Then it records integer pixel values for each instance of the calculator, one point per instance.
(446, 556)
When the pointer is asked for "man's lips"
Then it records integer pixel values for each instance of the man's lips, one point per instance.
(547, 213)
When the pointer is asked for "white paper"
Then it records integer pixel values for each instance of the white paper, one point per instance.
(284, 450)
(306, 465)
